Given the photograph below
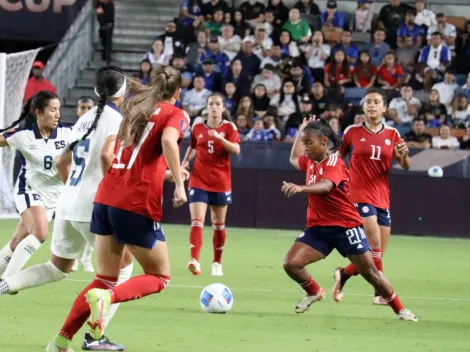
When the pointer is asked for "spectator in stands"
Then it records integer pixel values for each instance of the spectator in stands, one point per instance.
(447, 88)
(445, 140)
(288, 46)
(433, 112)
(465, 143)
(270, 80)
(424, 16)
(250, 62)
(460, 112)
(275, 58)
(260, 100)
(195, 50)
(279, 10)
(156, 56)
(333, 111)
(301, 76)
(246, 107)
(298, 28)
(361, 20)
(338, 73)
(404, 109)
(390, 18)
(466, 87)
(105, 14)
(37, 82)
(462, 50)
(378, 48)
(244, 126)
(172, 41)
(318, 98)
(219, 59)
(417, 138)
(252, 11)
(447, 30)
(334, 124)
(211, 6)
(410, 35)
(364, 73)
(269, 121)
(191, 18)
(262, 44)
(231, 97)
(390, 74)
(237, 76)
(257, 133)
(296, 118)
(286, 101)
(351, 50)
(307, 7)
(145, 71)
(84, 104)
(316, 55)
(331, 19)
(213, 79)
(240, 26)
(436, 57)
(214, 26)
(195, 99)
(359, 118)
(230, 43)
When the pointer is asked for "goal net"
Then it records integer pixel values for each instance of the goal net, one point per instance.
(14, 73)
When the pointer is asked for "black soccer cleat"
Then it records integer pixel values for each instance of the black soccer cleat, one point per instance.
(103, 344)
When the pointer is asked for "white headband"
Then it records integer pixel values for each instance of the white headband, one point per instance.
(120, 93)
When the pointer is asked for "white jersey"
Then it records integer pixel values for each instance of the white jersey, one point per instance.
(38, 172)
(76, 200)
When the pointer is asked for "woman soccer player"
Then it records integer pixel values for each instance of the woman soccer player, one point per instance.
(212, 142)
(373, 145)
(88, 157)
(128, 205)
(332, 219)
(39, 185)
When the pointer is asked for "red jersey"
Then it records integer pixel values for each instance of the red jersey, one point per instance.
(135, 181)
(334, 208)
(390, 75)
(370, 163)
(211, 170)
(34, 86)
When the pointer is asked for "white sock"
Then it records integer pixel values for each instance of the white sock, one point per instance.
(36, 275)
(5, 256)
(124, 275)
(86, 255)
(21, 255)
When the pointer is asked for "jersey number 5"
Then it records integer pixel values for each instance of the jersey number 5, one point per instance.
(376, 151)
(79, 161)
(210, 146)
(146, 133)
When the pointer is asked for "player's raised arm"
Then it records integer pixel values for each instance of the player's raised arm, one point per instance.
(297, 148)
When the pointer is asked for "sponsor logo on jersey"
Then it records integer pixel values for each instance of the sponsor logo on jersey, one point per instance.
(363, 139)
(200, 136)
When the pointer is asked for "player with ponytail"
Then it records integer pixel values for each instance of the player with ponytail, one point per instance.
(212, 142)
(81, 166)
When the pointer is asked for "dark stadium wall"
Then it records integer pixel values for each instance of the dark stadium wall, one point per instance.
(420, 205)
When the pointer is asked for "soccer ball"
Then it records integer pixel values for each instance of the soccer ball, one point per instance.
(435, 171)
(216, 298)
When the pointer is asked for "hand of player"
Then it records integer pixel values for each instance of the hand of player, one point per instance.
(215, 134)
(401, 148)
(290, 189)
(179, 196)
(185, 174)
(306, 121)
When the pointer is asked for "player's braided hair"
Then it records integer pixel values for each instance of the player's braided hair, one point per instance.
(108, 81)
(225, 114)
(322, 128)
(37, 102)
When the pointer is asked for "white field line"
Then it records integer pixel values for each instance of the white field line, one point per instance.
(292, 291)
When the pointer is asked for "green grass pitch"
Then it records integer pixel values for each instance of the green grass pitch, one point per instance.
(431, 276)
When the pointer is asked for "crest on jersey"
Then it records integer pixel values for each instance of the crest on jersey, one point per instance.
(387, 142)
(321, 172)
(222, 134)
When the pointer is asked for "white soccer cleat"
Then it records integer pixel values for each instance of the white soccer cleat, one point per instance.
(307, 301)
(405, 314)
(88, 267)
(379, 301)
(217, 269)
(337, 290)
(75, 266)
(194, 267)
(52, 347)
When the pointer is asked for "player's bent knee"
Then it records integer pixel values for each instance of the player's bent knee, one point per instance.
(197, 223)
(291, 265)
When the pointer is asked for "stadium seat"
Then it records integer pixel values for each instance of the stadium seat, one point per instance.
(457, 21)
(313, 20)
(361, 37)
(347, 19)
(332, 37)
(354, 95)
(460, 79)
(459, 133)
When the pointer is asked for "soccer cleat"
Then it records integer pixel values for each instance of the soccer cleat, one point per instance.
(4, 289)
(405, 314)
(59, 344)
(75, 266)
(307, 301)
(379, 301)
(194, 267)
(340, 279)
(103, 344)
(99, 301)
(217, 269)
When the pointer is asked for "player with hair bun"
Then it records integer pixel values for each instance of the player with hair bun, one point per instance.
(210, 184)
(332, 219)
(39, 185)
(373, 144)
(128, 204)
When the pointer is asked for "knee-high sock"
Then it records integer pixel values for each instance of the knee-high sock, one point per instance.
(23, 252)
(195, 238)
(5, 256)
(218, 241)
(138, 287)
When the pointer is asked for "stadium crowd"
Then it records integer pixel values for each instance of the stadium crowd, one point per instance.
(276, 64)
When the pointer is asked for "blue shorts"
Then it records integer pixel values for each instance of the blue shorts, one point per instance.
(345, 241)
(127, 227)
(383, 215)
(210, 198)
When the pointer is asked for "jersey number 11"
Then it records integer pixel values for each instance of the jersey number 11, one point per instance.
(376, 151)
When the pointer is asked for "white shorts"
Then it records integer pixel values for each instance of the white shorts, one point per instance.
(69, 238)
(32, 199)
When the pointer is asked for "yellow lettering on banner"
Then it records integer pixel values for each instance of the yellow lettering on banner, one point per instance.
(33, 6)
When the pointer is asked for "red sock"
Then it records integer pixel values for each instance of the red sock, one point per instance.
(138, 287)
(81, 310)
(218, 241)
(351, 270)
(195, 238)
(311, 287)
(394, 302)
(377, 257)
